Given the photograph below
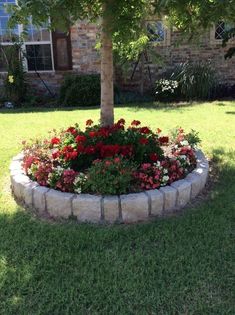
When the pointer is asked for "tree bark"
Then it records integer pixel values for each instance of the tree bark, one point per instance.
(107, 93)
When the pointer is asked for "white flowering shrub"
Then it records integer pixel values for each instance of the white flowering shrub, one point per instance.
(166, 88)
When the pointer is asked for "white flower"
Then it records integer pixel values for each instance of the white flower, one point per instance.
(184, 143)
(165, 178)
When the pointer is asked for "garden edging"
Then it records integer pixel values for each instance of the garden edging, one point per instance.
(125, 208)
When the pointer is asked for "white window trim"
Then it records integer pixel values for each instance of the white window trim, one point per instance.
(25, 63)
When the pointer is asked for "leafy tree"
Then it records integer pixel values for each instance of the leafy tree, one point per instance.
(120, 22)
(191, 17)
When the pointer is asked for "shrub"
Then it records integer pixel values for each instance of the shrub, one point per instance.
(196, 80)
(80, 90)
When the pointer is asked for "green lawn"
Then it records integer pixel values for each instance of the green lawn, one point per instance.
(178, 265)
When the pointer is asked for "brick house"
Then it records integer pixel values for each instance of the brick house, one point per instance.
(55, 54)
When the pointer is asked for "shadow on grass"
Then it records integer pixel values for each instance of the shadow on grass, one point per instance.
(136, 106)
(176, 265)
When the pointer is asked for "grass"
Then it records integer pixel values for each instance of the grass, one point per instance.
(178, 265)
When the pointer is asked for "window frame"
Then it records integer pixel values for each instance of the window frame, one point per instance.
(214, 40)
(27, 43)
(167, 34)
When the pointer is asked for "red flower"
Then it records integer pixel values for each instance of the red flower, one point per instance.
(109, 150)
(55, 141)
(153, 157)
(89, 122)
(121, 121)
(104, 132)
(135, 123)
(56, 154)
(145, 130)
(93, 134)
(126, 150)
(72, 130)
(69, 153)
(80, 148)
(80, 138)
(143, 141)
(89, 150)
(159, 130)
(163, 140)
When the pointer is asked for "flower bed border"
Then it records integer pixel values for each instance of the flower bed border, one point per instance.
(128, 208)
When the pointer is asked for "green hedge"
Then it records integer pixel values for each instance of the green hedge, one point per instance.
(80, 90)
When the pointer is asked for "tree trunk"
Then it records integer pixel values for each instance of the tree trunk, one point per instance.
(107, 94)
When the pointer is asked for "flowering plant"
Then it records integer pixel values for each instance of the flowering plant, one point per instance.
(166, 87)
(111, 176)
(110, 160)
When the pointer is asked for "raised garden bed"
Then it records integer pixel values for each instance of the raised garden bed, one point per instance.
(127, 208)
(109, 174)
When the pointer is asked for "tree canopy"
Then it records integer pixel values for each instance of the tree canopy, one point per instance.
(194, 15)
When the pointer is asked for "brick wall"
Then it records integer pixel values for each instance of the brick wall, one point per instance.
(86, 59)
(205, 50)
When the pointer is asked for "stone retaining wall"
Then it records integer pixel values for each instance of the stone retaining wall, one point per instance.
(125, 208)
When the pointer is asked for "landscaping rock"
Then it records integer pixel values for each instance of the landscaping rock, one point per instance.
(18, 183)
(18, 157)
(59, 204)
(170, 197)
(39, 199)
(111, 208)
(196, 184)
(28, 194)
(156, 201)
(87, 208)
(183, 192)
(203, 173)
(135, 207)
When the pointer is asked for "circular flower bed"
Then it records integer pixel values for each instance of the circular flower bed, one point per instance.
(110, 160)
(109, 173)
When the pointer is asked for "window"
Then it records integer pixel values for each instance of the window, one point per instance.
(37, 47)
(158, 33)
(218, 31)
(6, 35)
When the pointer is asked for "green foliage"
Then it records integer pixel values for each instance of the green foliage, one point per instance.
(196, 80)
(193, 138)
(80, 90)
(111, 176)
(124, 16)
(15, 86)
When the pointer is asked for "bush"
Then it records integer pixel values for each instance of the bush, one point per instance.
(80, 90)
(196, 81)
